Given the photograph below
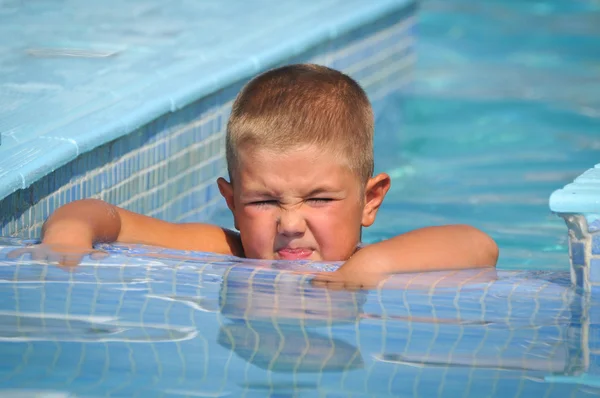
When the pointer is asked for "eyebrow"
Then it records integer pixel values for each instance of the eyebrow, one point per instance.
(316, 191)
(321, 190)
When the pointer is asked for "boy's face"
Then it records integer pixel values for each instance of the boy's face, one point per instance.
(300, 205)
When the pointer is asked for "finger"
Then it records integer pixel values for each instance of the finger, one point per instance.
(54, 258)
(70, 260)
(336, 285)
(302, 272)
(325, 275)
(18, 253)
(354, 287)
(327, 282)
(98, 255)
(333, 281)
(39, 254)
(321, 278)
(319, 283)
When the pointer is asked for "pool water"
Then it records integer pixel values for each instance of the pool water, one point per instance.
(504, 109)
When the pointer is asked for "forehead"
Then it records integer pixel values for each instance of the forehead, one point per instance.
(295, 170)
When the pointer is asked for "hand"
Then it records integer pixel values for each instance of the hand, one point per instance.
(65, 243)
(60, 254)
(350, 276)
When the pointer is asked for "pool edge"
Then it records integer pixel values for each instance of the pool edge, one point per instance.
(140, 162)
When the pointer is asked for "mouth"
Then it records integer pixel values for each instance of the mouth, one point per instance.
(288, 253)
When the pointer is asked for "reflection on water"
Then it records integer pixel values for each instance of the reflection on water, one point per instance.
(18, 326)
(155, 323)
(276, 323)
(264, 295)
(290, 350)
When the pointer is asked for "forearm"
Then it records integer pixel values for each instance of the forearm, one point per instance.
(140, 229)
(431, 249)
(86, 221)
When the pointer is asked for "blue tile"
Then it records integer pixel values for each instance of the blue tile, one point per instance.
(594, 337)
(596, 243)
(577, 253)
(579, 276)
(42, 213)
(594, 226)
(77, 192)
(594, 315)
(595, 270)
(594, 368)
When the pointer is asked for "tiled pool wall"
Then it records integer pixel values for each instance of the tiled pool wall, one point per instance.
(154, 327)
(167, 168)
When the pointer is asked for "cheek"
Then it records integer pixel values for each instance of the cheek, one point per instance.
(342, 216)
(256, 230)
(337, 230)
(255, 218)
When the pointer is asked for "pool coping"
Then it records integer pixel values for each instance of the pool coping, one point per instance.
(580, 196)
(578, 203)
(166, 168)
(179, 88)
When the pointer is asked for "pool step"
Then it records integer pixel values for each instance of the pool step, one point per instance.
(578, 204)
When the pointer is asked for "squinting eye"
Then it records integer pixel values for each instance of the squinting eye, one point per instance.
(263, 203)
(320, 201)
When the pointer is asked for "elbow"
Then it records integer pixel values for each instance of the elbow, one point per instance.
(486, 249)
(483, 250)
(96, 216)
(77, 208)
(491, 252)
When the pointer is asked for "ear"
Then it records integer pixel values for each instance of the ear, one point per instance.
(226, 190)
(376, 189)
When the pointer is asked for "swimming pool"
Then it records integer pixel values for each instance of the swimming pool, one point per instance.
(498, 117)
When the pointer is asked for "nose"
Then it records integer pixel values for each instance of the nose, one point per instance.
(291, 223)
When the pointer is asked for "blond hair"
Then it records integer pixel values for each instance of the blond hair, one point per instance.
(303, 104)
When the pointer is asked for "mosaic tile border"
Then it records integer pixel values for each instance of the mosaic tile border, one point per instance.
(167, 168)
(584, 252)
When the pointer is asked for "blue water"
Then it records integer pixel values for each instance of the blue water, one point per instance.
(504, 109)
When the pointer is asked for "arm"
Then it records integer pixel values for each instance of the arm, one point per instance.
(451, 247)
(89, 221)
(75, 227)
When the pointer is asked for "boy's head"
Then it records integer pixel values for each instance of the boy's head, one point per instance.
(300, 160)
(303, 105)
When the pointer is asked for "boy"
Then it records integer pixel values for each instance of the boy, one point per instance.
(300, 161)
